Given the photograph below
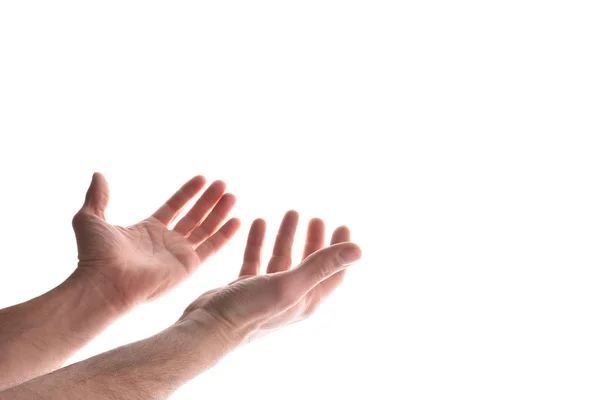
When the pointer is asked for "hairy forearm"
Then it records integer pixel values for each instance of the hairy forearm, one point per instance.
(146, 370)
(38, 336)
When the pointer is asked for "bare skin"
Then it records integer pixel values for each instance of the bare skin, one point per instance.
(213, 325)
(225, 304)
(145, 260)
(118, 268)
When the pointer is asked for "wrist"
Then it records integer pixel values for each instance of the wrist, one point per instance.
(205, 342)
(99, 290)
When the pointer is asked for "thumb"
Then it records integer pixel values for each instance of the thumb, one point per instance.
(325, 263)
(96, 198)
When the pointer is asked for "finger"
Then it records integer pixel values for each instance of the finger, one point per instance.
(202, 207)
(169, 211)
(252, 254)
(315, 237)
(311, 301)
(218, 240)
(323, 264)
(340, 235)
(326, 287)
(96, 198)
(281, 260)
(214, 220)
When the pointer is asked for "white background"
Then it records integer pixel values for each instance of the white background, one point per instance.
(459, 141)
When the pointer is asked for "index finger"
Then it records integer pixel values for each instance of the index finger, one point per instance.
(172, 207)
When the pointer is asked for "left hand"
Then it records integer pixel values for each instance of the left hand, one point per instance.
(143, 261)
(256, 304)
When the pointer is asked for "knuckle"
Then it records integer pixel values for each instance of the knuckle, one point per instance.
(78, 219)
(280, 263)
(210, 246)
(198, 234)
(185, 226)
(333, 264)
(325, 266)
(319, 274)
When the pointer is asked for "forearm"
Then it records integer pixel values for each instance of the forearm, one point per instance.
(149, 369)
(38, 336)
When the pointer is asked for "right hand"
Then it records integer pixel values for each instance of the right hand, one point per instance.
(142, 261)
(256, 304)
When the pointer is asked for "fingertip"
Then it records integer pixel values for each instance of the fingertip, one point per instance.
(349, 252)
(97, 195)
(198, 180)
(342, 228)
(229, 197)
(316, 222)
(220, 185)
(193, 185)
(231, 227)
(98, 178)
(256, 234)
(292, 214)
(340, 234)
(259, 223)
(235, 222)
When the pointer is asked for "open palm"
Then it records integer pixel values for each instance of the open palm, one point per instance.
(144, 260)
(256, 304)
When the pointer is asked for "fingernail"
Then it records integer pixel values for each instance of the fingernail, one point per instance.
(349, 255)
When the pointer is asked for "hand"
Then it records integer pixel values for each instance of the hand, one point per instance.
(256, 304)
(144, 260)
